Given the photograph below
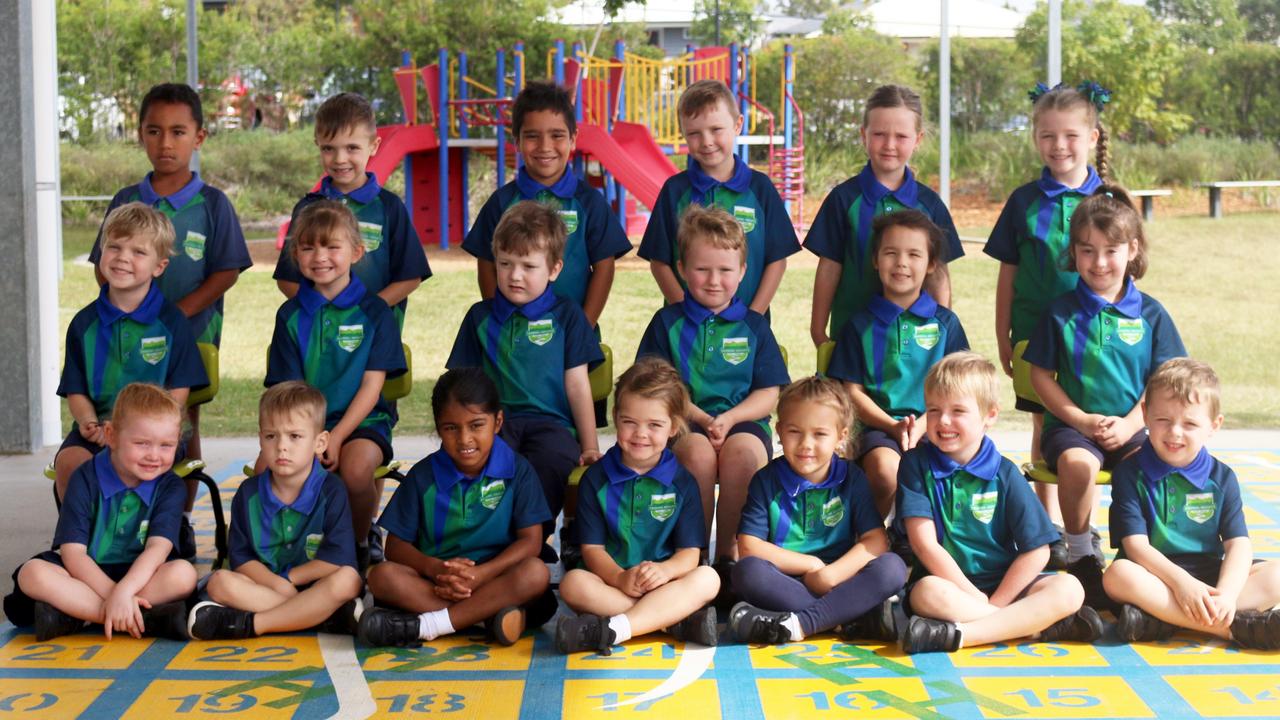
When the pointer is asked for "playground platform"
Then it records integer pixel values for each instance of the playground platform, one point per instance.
(310, 676)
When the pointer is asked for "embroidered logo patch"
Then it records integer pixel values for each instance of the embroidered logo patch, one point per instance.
(983, 506)
(662, 507)
(154, 349)
(570, 218)
(927, 335)
(1130, 331)
(193, 246)
(491, 494)
(735, 349)
(832, 511)
(371, 236)
(142, 530)
(313, 545)
(1200, 507)
(746, 217)
(540, 332)
(350, 337)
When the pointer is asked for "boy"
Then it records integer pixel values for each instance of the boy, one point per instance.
(393, 264)
(340, 337)
(292, 550)
(1177, 519)
(113, 561)
(542, 119)
(977, 529)
(209, 251)
(537, 347)
(131, 333)
(728, 357)
(710, 123)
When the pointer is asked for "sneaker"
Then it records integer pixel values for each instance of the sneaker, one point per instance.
(875, 624)
(1257, 629)
(700, 627)
(750, 624)
(362, 558)
(211, 621)
(584, 632)
(1058, 551)
(507, 626)
(345, 620)
(540, 610)
(186, 539)
(50, 622)
(547, 554)
(1134, 625)
(167, 620)
(928, 635)
(726, 597)
(1083, 625)
(1088, 570)
(376, 554)
(381, 627)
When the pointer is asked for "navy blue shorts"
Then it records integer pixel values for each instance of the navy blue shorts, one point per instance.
(1061, 438)
(376, 438)
(20, 609)
(871, 438)
(749, 427)
(553, 452)
(1030, 406)
(75, 439)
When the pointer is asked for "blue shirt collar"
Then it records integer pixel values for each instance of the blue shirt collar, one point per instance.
(1130, 304)
(1154, 469)
(305, 503)
(1053, 189)
(887, 312)
(146, 312)
(984, 465)
(698, 313)
(564, 188)
(500, 465)
(362, 195)
(176, 200)
(110, 484)
(793, 483)
(907, 193)
(664, 472)
(311, 300)
(503, 308)
(704, 185)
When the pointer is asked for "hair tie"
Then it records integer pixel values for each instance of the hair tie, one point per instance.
(1038, 91)
(1095, 93)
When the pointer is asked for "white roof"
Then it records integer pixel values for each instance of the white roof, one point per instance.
(923, 19)
(588, 13)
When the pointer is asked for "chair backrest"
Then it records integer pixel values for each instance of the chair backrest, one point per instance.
(601, 376)
(208, 356)
(825, 351)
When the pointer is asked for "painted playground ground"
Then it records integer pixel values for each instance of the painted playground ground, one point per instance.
(309, 676)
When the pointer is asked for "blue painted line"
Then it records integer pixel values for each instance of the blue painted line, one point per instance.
(543, 697)
(130, 683)
(736, 684)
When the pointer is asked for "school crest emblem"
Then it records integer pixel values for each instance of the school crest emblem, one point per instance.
(540, 332)
(1130, 330)
(1200, 507)
(350, 337)
(371, 236)
(983, 506)
(193, 246)
(927, 335)
(746, 217)
(735, 349)
(832, 512)
(570, 219)
(491, 494)
(312, 545)
(662, 506)
(154, 349)
(142, 530)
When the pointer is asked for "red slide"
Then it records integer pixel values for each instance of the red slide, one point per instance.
(630, 155)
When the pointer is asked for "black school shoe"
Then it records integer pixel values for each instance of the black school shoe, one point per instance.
(186, 539)
(381, 627)
(584, 632)
(1083, 625)
(700, 627)
(50, 622)
(506, 627)
(750, 624)
(924, 634)
(376, 553)
(1058, 551)
(211, 621)
(167, 620)
(1257, 629)
(1088, 570)
(876, 624)
(726, 598)
(1136, 625)
(345, 620)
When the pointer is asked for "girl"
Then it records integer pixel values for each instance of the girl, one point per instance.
(641, 528)
(1102, 340)
(463, 530)
(815, 551)
(1031, 235)
(892, 128)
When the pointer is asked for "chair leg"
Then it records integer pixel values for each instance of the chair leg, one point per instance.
(219, 518)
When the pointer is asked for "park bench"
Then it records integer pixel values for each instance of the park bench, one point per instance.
(1149, 200)
(1216, 188)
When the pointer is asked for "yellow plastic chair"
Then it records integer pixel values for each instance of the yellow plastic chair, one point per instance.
(601, 378)
(825, 351)
(1038, 471)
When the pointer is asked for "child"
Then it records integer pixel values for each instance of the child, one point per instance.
(710, 123)
(728, 358)
(1177, 519)
(1102, 340)
(815, 551)
(841, 232)
(977, 530)
(393, 263)
(464, 529)
(131, 333)
(113, 560)
(340, 337)
(542, 119)
(537, 347)
(1030, 238)
(885, 351)
(640, 524)
(292, 551)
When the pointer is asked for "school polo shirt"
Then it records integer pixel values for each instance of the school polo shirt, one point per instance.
(821, 519)
(841, 231)
(594, 234)
(721, 357)
(332, 344)
(108, 348)
(888, 351)
(748, 196)
(112, 520)
(283, 536)
(1181, 510)
(1032, 233)
(207, 239)
(392, 250)
(526, 350)
(1103, 352)
(639, 516)
(445, 514)
(985, 512)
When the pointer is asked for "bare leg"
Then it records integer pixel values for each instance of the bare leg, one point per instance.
(233, 589)
(740, 457)
(698, 457)
(881, 467)
(660, 608)
(65, 463)
(356, 464)
(1077, 488)
(401, 586)
(311, 606)
(521, 583)
(174, 580)
(1047, 602)
(46, 582)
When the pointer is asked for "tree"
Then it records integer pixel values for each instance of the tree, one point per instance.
(989, 82)
(1261, 19)
(1204, 23)
(738, 21)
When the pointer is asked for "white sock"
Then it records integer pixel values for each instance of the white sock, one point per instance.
(621, 628)
(1079, 546)
(792, 623)
(434, 623)
(187, 515)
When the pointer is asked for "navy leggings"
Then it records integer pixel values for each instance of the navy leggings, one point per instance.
(762, 584)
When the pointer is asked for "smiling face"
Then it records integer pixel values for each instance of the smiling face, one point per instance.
(170, 136)
(327, 261)
(1178, 429)
(890, 136)
(713, 274)
(1064, 139)
(810, 434)
(903, 263)
(957, 424)
(1102, 264)
(546, 144)
(523, 278)
(130, 262)
(644, 427)
(346, 155)
(143, 447)
(466, 435)
(290, 442)
(710, 136)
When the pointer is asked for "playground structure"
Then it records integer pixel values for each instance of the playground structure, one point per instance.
(625, 109)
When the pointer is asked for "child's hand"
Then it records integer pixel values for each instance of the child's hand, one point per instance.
(589, 457)
(629, 582)
(333, 453)
(1225, 610)
(819, 581)
(1091, 425)
(718, 431)
(1197, 600)
(461, 574)
(1113, 432)
(917, 430)
(93, 432)
(902, 431)
(819, 337)
(651, 576)
(121, 612)
(1004, 346)
(284, 586)
(449, 588)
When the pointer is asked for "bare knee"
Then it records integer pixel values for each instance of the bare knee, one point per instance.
(343, 584)
(574, 586)
(382, 577)
(219, 586)
(1066, 591)
(530, 578)
(928, 597)
(704, 583)
(180, 575)
(35, 575)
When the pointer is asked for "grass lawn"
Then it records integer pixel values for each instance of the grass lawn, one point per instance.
(1218, 298)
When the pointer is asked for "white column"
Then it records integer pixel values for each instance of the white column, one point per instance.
(944, 105)
(44, 41)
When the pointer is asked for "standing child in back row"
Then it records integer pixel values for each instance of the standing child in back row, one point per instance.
(716, 176)
(841, 232)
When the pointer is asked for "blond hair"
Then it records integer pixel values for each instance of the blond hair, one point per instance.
(815, 390)
(320, 221)
(144, 400)
(293, 396)
(530, 227)
(1064, 98)
(653, 378)
(713, 226)
(702, 96)
(140, 220)
(965, 374)
(1190, 381)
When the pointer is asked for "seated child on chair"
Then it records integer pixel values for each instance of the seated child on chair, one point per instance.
(292, 553)
(979, 533)
(463, 531)
(640, 524)
(114, 560)
(1177, 518)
